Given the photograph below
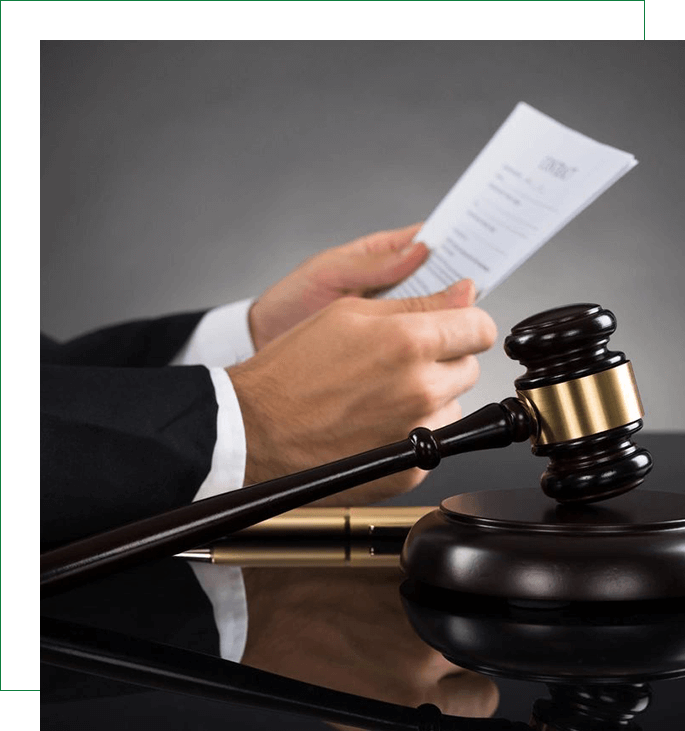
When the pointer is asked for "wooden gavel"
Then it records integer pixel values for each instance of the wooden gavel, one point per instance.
(577, 402)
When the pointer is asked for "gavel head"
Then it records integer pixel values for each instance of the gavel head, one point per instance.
(584, 400)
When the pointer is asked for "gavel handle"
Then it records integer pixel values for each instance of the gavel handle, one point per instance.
(495, 425)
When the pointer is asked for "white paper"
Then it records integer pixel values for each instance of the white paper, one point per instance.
(532, 178)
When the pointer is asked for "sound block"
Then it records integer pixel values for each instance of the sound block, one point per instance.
(518, 545)
(579, 642)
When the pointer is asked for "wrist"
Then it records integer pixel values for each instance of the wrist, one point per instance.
(265, 443)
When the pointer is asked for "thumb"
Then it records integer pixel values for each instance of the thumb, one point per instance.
(460, 294)
(380, 260)
(386, 270)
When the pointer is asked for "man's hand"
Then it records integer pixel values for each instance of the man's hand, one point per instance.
(362, 267)
(346, 629)
(357, 375)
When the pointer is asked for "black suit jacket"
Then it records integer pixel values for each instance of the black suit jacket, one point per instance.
(124, 437)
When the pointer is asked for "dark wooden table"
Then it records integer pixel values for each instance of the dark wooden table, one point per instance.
(150, 602)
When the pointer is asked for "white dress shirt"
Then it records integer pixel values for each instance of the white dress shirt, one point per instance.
(222, 338)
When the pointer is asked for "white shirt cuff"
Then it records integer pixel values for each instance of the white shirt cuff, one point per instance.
(225, 589)
(221, 339)
(224, 585)
(227, 471)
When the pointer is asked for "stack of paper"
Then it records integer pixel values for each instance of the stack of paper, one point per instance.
(530, 180)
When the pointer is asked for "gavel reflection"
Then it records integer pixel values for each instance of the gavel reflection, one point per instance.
(577, 402)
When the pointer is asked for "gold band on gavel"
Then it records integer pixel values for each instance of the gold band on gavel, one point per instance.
(584, 406)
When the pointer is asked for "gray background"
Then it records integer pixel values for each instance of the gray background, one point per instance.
(179, 175)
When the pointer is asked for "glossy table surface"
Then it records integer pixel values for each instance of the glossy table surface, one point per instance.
(342, 627)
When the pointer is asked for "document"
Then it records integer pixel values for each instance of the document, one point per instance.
(532, 178)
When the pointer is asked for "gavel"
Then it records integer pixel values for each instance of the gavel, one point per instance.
(582, 403)
(578, 403)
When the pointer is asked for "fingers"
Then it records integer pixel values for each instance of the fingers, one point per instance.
(443, 383)
(459, 294)
(375, 273)
(385, 242)
(462, 332)
(450, 334)
(443, 326)
(455, 377)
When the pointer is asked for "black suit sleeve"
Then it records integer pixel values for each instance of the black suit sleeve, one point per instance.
(143, 343)
(119, 444)
(123, 436)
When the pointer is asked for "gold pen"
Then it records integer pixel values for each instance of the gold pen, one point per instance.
(366, 536)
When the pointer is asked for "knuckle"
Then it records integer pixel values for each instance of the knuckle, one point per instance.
(418, 304)
(418, 342)
(343, 311)
(407, 342)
